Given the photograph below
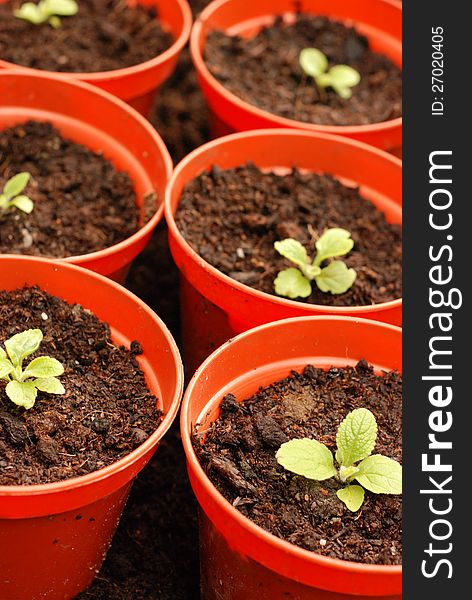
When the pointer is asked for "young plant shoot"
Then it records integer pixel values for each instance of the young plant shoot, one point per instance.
(40, 374)
(336, 277)
(11, 196)
(47, 11)
(355, 442)
(340, 78)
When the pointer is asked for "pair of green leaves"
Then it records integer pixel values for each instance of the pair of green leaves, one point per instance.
(340, 78)
(335, 278)
(11, 196)
(39, 375)
(47, 11)
(355, 442)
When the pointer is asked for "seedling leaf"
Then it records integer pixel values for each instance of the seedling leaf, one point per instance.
(336, 278)
(293, 250)
(308, 458)
(29, 11)
(334, 242)
(16, 184)
(380, 474)
(43, 367)
(356, 437)
(23, 203)
(342, 79)
(5, 368)
(50, 385)
(313, 62)
(292, 284)
(22, 393)
(352, 496)
(23, 344)
(63, 8)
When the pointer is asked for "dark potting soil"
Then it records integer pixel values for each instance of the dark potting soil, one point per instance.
(238, 455)
(180, 114)
(81, 202)
(232, 219)
(106, 412)
(104, 35)
(265, 72)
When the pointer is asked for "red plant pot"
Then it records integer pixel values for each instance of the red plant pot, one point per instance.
(379, 20)
(214, 306)
(54, 537)
(104, 124)
(240, 560)
(138, 84)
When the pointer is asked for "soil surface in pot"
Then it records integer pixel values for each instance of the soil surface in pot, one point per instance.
(106, 412)
(238, 455)
(81, 202)
(265, 71)
(103, 36)
(232, 219)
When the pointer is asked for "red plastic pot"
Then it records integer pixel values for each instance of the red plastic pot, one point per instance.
(137, 85)
(379, 20)
(54, 537)
(214, 306)
(240, 560)
(102, 123)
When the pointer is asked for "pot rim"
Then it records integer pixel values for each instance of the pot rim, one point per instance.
(156, 436)
(226, 279)
(148, 227)
(312, 558)
(97, 76)
(279, 121)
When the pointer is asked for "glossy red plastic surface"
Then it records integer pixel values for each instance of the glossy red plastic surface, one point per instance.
(215, 306)
(379, 20)
(54, 537)
(239, 559)
(104, 124)
(137, 84)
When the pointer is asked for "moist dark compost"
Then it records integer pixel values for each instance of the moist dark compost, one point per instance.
(81, 202)
(106, 412)
(180, 113)
(103, 36)
(232, 219)
(238, 455)
(265, 72)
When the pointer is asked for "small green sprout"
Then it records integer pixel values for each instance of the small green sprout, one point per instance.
(47, 11)
(40, 374)
(355, 441)
(340, 78)
(335, 277)
(12, 196)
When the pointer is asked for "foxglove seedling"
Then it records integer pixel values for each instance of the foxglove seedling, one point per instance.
(11, 196)
(355, 442)
(47, 11)
(40, 374)
(335, 277)
(340, 78)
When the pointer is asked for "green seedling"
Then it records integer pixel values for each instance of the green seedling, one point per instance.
(355, 441)
(47, 11)
(11, 196)
(340, 78)
(41, 374)
(336, 277)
